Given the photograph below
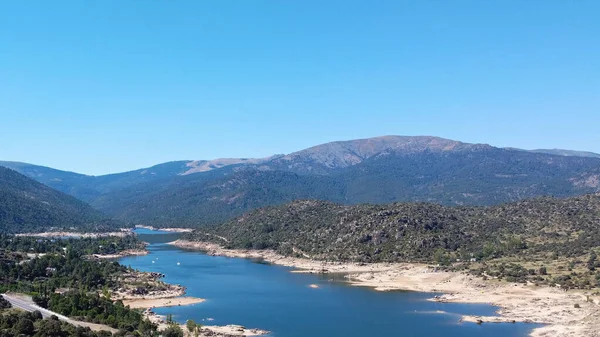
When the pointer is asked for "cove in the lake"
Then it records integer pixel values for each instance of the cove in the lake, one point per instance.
(257, 295)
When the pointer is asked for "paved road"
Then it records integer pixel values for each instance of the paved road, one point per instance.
(26, 304)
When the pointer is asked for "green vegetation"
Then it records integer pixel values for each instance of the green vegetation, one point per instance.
(60, 278)
(172, 331)
(81, 246)
(25, 324)
(542, 240)
(4, 304)
(482, 176)
(381, 170)
(95, 309)
(44, 274)
(88, 188)
(212, 197)
(193, 327)
(28, 206)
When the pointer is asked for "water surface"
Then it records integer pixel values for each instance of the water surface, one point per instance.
(258, 295)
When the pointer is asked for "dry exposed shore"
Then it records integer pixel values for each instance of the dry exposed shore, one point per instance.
(122, 233)
(128, 252)
(231, 330)
(517, 302)
(174, 229)
(207, 330)
(161, 302)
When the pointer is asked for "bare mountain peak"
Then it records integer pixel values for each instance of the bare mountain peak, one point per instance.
(347, 153)
(208, 165)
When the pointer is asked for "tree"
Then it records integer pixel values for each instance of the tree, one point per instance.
(191, 325)
(172, 331)
(50, 328)
(24, 326)
(592, 261)
(4, 304)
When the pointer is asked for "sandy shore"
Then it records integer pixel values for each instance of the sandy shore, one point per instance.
(170, 229)
(161, 302)
(172, 291)
(128, 252)
(233, 330)
(517, 302)
(207, 330)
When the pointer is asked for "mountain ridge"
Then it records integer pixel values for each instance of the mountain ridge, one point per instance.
(371, 170)
(27, 205)
(562, 152)
(353, 152)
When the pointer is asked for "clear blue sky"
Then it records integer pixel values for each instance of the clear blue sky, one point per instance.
(107, 86)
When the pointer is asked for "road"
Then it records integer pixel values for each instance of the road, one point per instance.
(25, 303)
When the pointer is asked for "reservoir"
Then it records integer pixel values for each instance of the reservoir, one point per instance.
(258, 295)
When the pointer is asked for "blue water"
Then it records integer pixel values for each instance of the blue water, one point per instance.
(257, 295)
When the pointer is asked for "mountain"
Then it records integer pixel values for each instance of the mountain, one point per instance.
(198, 166)
(416, 231)
(88, 188)
(27, 205)
(375, 170)
(322, 159)
(469, 176)
(204, 199)
(572, 153)
(461, 175)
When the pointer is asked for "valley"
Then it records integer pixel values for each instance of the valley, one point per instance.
(456, 223)
(375, 170)
(299, 168)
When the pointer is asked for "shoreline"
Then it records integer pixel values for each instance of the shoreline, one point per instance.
(124, 253)
(169, 229)
(516, 302)
(164, 302)
(205, 330)
(122, 233)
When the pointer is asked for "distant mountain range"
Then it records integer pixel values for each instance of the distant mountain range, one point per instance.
(568, 153)
(375, 170)
(28, 206)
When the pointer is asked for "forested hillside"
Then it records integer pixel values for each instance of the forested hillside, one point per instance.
(416, 231)
(88, 188)
(375, 170)
(28, 206)
(84, 286)
(213, 197)
(471, 176)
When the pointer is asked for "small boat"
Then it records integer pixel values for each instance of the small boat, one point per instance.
(153, 261)
(178, 263)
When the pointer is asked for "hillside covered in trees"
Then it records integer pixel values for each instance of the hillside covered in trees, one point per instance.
(29, 324)
(28, 206)
(374, 170)
(59, 276)
(542, 229)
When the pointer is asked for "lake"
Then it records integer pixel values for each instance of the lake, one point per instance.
(258, 295)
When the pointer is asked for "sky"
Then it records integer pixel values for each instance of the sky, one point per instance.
(103, 86)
